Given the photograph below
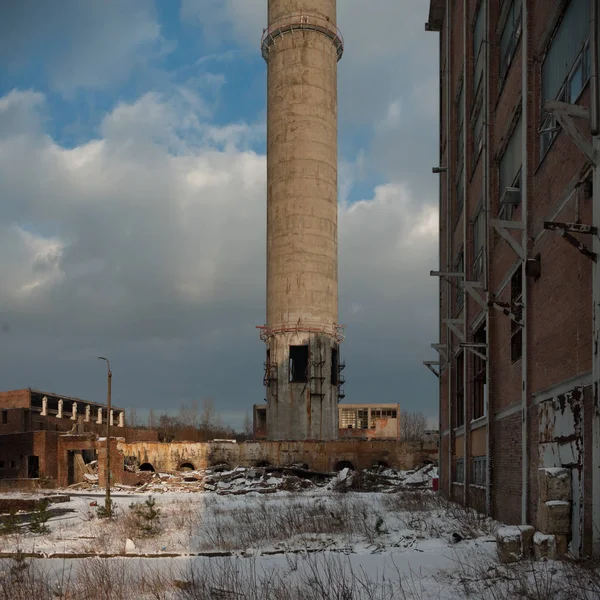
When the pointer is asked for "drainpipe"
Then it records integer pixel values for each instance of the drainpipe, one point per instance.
(486, 277)
(524, 218)
(449, 172)
(465, 298)
(595, 126)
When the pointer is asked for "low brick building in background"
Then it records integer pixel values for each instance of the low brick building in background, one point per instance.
(356, 421)
(517, 166)
(48, 438)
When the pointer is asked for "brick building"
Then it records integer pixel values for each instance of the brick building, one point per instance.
(518, 271)
(356, 421)
(45, 436)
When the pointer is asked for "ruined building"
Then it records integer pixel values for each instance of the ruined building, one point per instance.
(301, 47)
(519, 269)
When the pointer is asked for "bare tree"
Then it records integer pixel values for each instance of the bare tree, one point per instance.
(248, 429)
(151, 419)
(132, 418)
(208, 414)
(412, 426)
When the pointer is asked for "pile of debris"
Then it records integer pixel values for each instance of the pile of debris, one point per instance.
(222, 480)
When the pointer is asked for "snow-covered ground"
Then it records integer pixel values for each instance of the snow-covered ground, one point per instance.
(252, 538)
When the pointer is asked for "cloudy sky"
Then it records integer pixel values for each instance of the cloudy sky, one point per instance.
(133, 206)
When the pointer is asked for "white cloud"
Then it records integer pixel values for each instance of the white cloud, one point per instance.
(157, 250)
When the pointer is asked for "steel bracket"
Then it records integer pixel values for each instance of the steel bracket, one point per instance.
(441, 349)
(507, 309)
(563, 230)
(430, 364)
(474, 348)
(470, 287)
(502, 228)
(452, 326)
(564, 113)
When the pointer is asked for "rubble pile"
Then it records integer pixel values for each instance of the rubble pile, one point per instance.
(222, 480)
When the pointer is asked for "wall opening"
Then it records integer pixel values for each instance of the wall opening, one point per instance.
(343, 464)
(33, 467)
(299, 364)
(147, 467)
(4, 417)
(334, 366)
(262, 463)
(187, 467)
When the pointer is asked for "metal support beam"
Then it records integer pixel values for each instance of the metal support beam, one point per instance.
(502, 228)
(441, 349)
(474, 349)
(571, 227)
(470, 287)
(564, 113)
(507, 309)
(430, 364)
(452, 326)
(564, 233)
(445, 274)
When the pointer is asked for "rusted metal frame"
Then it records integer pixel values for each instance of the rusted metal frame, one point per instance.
(595, 127)
(564, 114)
(571, 227)
(432, 363)
(505, 308)
(502, 228)
(563, 231)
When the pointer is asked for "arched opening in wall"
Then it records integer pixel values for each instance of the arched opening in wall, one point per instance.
(186, 467)
(343, 464)
(262, 463)
(147, 467)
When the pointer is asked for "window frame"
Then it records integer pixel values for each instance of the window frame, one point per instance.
(459, 471)
(478, 407)
(550, 128)
(459, 267)
(516, 29)
(478, 267)
(478, 471)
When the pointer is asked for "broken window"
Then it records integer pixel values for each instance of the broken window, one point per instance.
(478, 469)
(459, 402)
(516, 331)
(334, 366)
(298, 364)
(1, 464)
(4, 417)
(479, 375)
(363, 418)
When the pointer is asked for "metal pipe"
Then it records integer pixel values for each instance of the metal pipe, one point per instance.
(595, 288)
(486, 191)
(449, 171)
(465, 299)
(594, 82)
(524, 218)
(107, 505)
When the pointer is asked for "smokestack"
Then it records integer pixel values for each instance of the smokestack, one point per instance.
(302, 46)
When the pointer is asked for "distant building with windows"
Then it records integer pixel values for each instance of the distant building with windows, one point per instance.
(356, 421)
(519, 191)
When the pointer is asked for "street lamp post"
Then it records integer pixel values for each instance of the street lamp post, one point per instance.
(107, 506)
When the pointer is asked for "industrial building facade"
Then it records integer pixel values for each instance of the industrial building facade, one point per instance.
(518, 268)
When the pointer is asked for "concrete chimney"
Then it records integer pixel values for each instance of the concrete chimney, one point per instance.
(302, 46)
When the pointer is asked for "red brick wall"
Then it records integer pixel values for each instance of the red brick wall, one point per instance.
(15, 399)
(506, 469)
